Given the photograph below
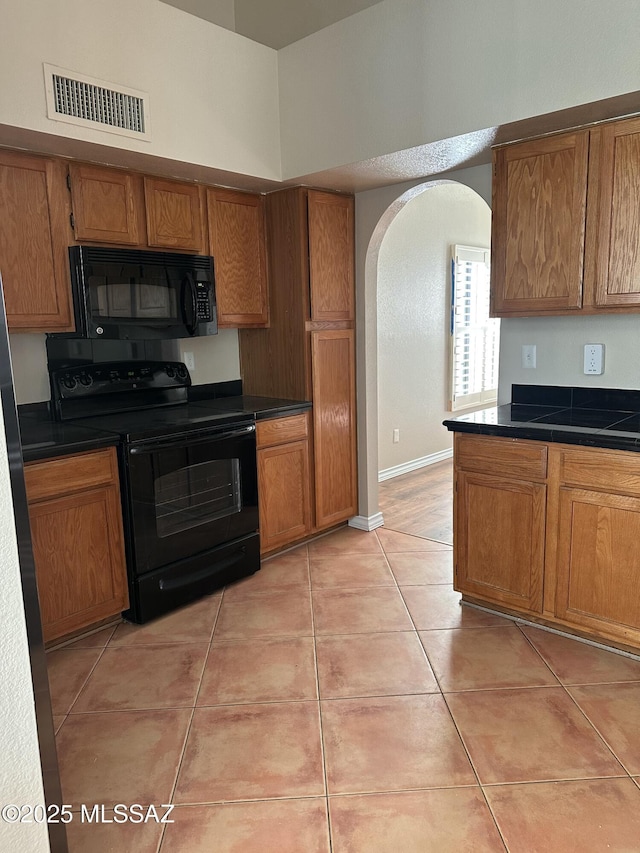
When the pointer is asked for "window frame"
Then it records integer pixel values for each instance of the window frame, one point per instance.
(486, 395)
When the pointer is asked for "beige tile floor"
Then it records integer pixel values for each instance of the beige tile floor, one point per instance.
(341, 700)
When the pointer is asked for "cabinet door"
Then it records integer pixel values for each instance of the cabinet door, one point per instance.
(284, 494)
(107, 205)
(616, 244)
(34, 235)
(79, 557)
(174, 214)
(499, 539)
(334, 425)
(599, 563)
(538, 225)
(76, 529)
(237, 243)
(331, 256)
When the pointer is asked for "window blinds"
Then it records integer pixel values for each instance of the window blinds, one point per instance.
(475, 337)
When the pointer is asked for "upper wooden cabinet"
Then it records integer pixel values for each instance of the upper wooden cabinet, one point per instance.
(107, 205)
(614, 238)
(566, 219)
(308, 351)
(237, 243)
(175, 215)
(34, 235)
(331, 256)
(538, 225)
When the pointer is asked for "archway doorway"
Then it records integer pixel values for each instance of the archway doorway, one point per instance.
(404, 345)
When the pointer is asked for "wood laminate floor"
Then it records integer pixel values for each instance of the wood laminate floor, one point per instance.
(420, 503)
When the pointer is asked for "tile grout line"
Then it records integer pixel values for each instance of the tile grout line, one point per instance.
(446, 704)
(574, 701)
(190, 723)
(322, 744)
(85, 682)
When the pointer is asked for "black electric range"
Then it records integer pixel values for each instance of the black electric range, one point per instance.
(188, 478)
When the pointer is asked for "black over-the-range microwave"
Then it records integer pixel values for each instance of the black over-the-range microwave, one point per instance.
(134, 294)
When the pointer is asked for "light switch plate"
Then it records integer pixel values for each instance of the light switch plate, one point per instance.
(594, 359)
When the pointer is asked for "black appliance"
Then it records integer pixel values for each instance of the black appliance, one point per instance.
(131, 294)
(188, 478)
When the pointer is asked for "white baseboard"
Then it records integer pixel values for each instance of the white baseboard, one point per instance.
(368, 523)
(406, 467)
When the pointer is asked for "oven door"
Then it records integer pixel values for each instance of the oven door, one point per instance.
(191, 493)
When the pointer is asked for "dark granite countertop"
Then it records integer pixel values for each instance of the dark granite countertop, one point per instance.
(260, 407)
(43, 438)
(597, 417)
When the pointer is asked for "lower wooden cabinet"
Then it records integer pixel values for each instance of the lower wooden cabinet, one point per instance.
(560, 545)
(334, 425)
(76, 529)
(284, 485)
(500, 531)
(598, 574)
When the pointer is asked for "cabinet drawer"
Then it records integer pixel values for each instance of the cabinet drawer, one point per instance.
(504, 456)
(68, 474)
(611, 471)
(281, 430)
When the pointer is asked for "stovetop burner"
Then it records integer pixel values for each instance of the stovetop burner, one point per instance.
(135, 399)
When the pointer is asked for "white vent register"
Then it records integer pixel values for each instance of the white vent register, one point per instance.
(87, 102)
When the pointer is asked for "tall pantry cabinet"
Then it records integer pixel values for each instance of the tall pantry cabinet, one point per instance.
(308, 352)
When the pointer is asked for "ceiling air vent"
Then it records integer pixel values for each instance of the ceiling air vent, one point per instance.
(87, 102)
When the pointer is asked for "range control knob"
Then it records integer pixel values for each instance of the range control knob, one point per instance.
(182, 372)
(86, 380)
(170, 371)
(69, 382)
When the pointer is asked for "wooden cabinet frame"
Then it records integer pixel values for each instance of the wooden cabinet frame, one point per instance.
(78, 544)
(34, 235)
(585, 571)
(590, 243)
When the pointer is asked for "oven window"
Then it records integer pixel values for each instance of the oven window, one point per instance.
(197, 494)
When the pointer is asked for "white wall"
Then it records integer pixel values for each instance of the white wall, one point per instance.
(407, 72)
(414, 292)
(20, 775)
(217, 358)
(560, 349)
(375, 210)
(213, 94)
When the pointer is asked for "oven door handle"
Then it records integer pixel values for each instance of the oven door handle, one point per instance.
(182, 443)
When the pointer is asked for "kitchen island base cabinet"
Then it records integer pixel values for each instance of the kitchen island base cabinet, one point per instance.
(562, 547)
(500, 531)
(598, 581)
(76, 529)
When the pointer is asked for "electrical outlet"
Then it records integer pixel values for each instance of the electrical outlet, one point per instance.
(396, 436)
(529, 355)
(594, 359)
(189, 360)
